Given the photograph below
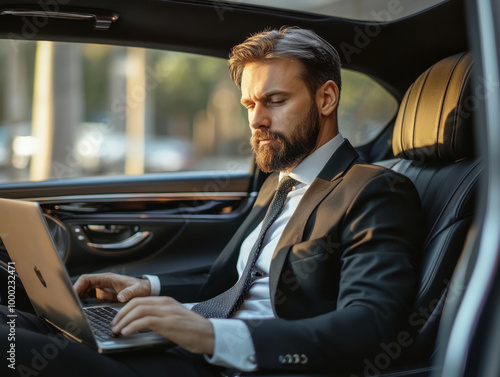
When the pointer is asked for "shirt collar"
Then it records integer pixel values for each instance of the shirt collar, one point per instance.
(307, 171)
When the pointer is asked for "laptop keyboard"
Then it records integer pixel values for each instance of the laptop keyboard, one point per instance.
(100, 318)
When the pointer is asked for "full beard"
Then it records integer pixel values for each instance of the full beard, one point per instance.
(285, 152)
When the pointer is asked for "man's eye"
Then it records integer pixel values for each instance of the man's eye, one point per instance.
(277, 102)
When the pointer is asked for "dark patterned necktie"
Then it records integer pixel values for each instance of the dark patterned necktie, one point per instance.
(228, 302)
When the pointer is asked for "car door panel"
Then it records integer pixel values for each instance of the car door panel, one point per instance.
(137, 225)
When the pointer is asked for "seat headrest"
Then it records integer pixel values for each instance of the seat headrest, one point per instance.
(434, 121)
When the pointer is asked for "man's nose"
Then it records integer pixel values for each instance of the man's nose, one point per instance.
(260, 117)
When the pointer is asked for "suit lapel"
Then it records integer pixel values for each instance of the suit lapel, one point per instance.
(327, 180)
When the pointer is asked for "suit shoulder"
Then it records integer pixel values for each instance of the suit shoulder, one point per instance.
(371, 170)
(368, 175)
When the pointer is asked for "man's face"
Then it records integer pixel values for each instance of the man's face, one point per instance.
(283, 117)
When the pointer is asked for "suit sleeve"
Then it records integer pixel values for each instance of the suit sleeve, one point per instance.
(379, 238)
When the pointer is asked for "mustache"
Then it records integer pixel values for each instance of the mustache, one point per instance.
(266, 135)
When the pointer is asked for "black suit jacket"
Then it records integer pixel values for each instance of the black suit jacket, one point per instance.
(342, 278)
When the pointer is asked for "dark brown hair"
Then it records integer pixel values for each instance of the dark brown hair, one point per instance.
(320, 60)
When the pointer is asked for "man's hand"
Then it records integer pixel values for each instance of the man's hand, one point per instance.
(169, 318)
(112, 287)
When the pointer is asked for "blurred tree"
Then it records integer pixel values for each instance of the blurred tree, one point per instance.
(136, 111)
(184, 91)
(197, 100)
(57, 110)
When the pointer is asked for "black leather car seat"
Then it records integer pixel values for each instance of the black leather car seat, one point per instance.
(434, 142)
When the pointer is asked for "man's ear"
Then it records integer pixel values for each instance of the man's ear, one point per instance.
(327, 98)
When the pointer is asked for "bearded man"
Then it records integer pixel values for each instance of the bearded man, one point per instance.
(320, 273)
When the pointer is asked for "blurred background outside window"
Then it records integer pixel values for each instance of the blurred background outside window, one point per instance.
(74, 110)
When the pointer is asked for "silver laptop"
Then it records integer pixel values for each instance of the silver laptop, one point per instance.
(25, 234)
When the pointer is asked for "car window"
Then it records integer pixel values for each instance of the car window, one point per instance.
(73, 110)
(84, 109)
(365, 107)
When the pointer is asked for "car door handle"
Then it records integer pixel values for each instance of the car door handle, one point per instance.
(132, 241)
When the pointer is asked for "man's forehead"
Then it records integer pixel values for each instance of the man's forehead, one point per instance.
(270, 76)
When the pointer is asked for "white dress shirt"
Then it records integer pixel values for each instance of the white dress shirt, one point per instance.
(233, 343)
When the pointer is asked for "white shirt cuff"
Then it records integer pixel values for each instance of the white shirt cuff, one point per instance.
(233, 345)
(155, 284)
